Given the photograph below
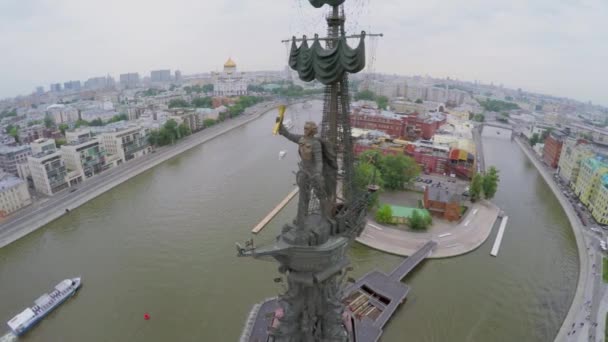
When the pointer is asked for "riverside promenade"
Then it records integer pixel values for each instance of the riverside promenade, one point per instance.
(44, 211)
(452, 239)
(585, 288)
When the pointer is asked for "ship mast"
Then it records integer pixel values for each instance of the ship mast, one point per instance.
(311, 251)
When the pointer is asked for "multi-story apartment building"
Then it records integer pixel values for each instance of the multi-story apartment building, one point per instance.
(13, 194)
(43, 146)
(189, 118)
(553, 148)
(62, 113)
(599, 206)
(573, 152)
(72, 85)
(87, 158)
(78, 135)
(48, 172)
(160, 76)
(130, 80)
(589, 177)
(11, 156)
(128, 143)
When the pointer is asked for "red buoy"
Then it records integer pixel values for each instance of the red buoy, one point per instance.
(146, 316)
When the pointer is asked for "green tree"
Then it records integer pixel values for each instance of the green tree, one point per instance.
(178, 103)
(367, 174)
(63, 127)
(397, 171)
(479, 117)
(382, 102)
(81, 122)
(476, 187)
(207, 88)
(497, 105)
(60, 142)
(384, 214)
(14, 132)
(209, 122)
(419, 222)
(535, 139)
(367, 95)
(171, 127)
(222, 116)
(154, 138)
(202, 102)
(96, 122)
(183, 130)
(119, 117)
(48, 121)
(419, 101)
(490, 182)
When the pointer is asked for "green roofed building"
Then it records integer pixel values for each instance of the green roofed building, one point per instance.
(401, 215)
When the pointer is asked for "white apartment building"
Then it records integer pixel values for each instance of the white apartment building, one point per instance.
(128, 143)
(78, 135)
(43, 146)
(87, 158)
(13, 194)
(48, 172)
(62, 113)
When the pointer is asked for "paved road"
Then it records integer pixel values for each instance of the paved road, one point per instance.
(453, 239)
(481, 165)
(33, 217)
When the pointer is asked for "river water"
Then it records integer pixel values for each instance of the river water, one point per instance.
(163, 243)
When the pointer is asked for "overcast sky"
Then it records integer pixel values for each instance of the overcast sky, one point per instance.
(558, 47)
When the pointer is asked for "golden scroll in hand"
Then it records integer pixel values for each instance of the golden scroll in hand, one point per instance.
(279, 120)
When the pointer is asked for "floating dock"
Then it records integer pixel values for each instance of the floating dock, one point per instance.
(501, 232)
(274, 211)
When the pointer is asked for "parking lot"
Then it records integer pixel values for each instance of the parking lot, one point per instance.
(455, 185)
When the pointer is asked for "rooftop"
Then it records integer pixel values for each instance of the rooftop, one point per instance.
(8, 149)
(442, 194)
(8, 182)
(400, 211)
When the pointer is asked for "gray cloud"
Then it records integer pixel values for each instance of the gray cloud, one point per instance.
(555, 47)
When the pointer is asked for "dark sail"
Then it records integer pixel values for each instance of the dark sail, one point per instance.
(320, 3)
(326, 65)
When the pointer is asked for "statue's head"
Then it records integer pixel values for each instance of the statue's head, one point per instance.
(310, 128)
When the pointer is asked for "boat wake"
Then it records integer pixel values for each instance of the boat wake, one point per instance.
(9, 337)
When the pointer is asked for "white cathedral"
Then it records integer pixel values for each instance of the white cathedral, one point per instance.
(229, 82)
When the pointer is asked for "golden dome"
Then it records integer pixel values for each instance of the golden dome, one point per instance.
(229, 63)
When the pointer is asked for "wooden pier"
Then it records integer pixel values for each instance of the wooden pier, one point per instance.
(274, 211)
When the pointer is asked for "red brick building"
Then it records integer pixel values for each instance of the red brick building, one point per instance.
(442, 203)
(553, 148)
(417, 126)
(411, 126)
(391, 126)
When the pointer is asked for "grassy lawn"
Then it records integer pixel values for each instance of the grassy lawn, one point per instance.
(605, 270)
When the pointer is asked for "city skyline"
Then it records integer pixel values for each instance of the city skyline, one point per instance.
(542, 47)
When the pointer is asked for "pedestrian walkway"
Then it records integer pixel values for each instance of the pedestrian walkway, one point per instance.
(470, 233)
